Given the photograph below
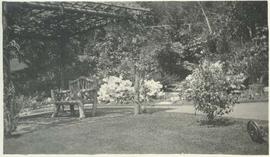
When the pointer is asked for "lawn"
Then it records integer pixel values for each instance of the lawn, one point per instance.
(117, 131)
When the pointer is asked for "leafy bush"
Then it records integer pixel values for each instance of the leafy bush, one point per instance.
(115, 89)
(151, 89)
(26, 103)
(209, 87)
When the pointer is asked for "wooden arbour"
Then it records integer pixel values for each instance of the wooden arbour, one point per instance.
(57, 21)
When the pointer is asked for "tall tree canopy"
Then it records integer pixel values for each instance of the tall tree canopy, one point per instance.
(229, 31)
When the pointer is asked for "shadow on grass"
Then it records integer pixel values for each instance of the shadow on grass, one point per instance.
(101, 112)
(121, 111)
(219, 122)
(44, 121)
(13, 136)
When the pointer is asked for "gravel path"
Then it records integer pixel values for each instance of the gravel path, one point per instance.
(251, 110)
(258, 110)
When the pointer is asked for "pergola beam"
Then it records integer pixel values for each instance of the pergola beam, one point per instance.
(70, 9)
(124, 7)
(52, 20)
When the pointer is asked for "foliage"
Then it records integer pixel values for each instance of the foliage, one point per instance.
(26, 102)
(129, 49)
(169, 57)
(11, 49)
(256, 59)
(115, 89)
(19, 103)
(119, 49)
(167, 80)
(124, 49)
(239, 39)
(10, 119)
(245, 17)
(234, 28)
(151, 90)
(209, 87)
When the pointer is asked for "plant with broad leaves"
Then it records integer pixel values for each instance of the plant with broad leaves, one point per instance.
(209, 87)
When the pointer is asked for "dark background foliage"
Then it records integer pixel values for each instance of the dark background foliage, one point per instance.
(239, 37)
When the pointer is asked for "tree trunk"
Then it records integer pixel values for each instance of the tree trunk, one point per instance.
(9, 91)
(62, 44)
(143, 105)
(94, 107)
(262, 78)
(137, 105)
(206, 18)
(81, 109)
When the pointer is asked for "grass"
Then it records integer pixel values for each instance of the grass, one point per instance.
(117, 131)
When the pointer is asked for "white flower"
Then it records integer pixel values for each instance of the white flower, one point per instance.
(114, 89)
(49, 99)
(152, 88)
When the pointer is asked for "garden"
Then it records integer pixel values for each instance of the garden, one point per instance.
(135, 77)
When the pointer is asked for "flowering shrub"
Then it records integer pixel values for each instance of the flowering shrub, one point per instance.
(151, 89)
(115, 89)
(209, 88)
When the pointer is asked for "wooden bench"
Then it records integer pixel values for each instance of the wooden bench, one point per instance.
(81, 91)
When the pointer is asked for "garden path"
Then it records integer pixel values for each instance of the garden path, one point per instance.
(253, 110)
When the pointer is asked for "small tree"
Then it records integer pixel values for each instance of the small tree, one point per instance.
(209, 87)
(129, 49)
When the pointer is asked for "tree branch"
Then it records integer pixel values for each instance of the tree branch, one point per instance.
(206, 18)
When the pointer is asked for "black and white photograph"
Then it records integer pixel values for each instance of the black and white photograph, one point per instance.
(135, 77)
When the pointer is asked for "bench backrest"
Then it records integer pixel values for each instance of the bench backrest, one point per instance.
(83, 85)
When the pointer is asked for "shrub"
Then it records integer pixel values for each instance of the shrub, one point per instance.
(115, 89)
(209, 88)
(150, 90)
(27, 103)
(18, 105)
